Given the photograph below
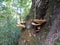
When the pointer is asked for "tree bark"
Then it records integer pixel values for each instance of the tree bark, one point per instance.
(50, 32)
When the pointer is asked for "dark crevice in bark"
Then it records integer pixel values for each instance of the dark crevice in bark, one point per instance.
(41, 10)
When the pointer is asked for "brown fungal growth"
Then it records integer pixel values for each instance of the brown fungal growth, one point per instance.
(39, 21)
(36, 23)
(22, 24)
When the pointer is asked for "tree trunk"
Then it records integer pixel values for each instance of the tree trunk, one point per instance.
(50, 32)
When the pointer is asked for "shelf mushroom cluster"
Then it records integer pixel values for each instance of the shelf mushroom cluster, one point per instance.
(36, 22)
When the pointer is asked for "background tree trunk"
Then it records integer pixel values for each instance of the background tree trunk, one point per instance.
(50, 32)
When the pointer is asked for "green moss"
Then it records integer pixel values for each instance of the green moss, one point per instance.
(57, 42)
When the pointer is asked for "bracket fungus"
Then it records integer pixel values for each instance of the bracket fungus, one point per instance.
(36, 23)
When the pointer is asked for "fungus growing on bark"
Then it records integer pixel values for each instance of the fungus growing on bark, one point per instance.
(36, 23)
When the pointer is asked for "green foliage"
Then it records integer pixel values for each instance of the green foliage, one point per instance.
(57, 42)
(9, 32)
(1, 0)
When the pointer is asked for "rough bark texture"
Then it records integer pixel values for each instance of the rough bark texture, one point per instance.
(50, 32)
